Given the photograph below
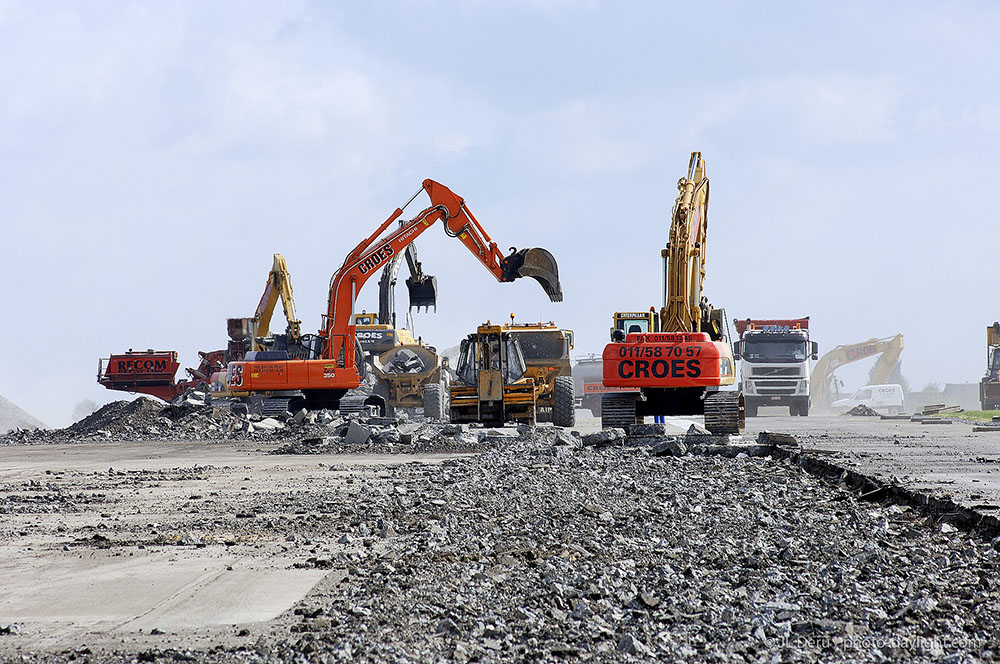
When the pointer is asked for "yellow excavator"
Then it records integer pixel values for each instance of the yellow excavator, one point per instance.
(253, 335)
(681, 364)
(825, 385)
(989, 385)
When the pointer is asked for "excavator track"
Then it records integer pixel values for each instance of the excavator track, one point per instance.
(725, 413)
(618, 410)
(354, 403)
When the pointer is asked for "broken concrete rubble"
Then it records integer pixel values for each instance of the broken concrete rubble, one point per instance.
(605, 437)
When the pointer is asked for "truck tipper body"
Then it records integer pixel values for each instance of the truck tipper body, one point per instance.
(774, 356)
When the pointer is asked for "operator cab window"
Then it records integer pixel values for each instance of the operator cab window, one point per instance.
(363, 320)
(634, 326)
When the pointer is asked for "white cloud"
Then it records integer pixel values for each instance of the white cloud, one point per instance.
(823, 109)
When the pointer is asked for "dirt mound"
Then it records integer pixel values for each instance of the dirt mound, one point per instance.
(13, 417)
(119, 417)
(862, 410)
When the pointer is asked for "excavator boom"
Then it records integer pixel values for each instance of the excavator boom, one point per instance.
(279, 286)
(422, 287)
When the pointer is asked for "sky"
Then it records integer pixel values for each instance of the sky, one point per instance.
(153, 157)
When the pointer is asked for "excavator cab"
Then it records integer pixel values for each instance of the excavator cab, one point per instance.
(632, 322)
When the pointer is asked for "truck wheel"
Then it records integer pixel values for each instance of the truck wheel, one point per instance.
(804, 408)
(434, 401)
(563, 411)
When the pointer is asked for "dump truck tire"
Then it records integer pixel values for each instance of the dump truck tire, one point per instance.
(434, 401)
(563, 411)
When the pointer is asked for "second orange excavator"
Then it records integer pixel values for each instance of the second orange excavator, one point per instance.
(333, 359)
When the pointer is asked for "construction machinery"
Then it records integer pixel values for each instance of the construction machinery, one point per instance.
(774, 356)
(402, 373)
(252, 335)
(678, 366)
(633, 322)
(989, 386)
(825, 385)
(546, 347)
(379, 332)
(492, 385)
(401, 364)
(153, 372)
(334, 364)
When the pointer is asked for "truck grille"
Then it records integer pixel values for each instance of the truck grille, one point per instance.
(775, 390)
(776, 371)
(764, 384)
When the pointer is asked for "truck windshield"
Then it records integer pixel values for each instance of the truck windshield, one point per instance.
(541, 346)
(774, 351)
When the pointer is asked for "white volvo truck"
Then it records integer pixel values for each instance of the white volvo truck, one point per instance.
(774, 357)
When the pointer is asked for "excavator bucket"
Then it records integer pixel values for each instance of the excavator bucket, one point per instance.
(423, 292)
(540, 265)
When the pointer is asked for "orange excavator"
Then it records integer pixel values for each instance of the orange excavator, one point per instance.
(679, 366)
(333, 361)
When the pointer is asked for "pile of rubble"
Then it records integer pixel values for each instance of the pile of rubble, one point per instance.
(191, 416)
(381, 435)
(405, 361)
(861, 410)
(13, 416)
(545, 550)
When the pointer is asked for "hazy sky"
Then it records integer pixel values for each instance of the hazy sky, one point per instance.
(154, 155)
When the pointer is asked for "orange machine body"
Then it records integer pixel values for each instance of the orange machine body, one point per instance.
(663, 359)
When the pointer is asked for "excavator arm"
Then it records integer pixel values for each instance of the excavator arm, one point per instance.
(370, 256)
(684, 255)
(822, 377)
(422, 287)
(325, 380)
(279, 286)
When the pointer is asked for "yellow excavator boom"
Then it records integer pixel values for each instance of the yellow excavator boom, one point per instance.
(684, 256)
(821, 380)
(279, 286)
